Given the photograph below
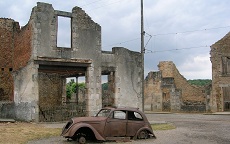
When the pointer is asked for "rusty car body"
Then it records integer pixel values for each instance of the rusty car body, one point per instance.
(109, 124)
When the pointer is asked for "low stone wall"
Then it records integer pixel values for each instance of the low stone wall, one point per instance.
(61, 113)
(7, 109)
(194, 108)
(21, 112)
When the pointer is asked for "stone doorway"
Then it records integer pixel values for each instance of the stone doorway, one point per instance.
(226, 97)
(52, 79)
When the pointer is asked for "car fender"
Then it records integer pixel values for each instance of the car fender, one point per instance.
(77, 126)
(143, 128)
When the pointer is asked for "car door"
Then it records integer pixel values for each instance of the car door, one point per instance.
(116, 124)
(134, 123)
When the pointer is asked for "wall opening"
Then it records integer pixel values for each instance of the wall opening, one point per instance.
(64, 32)
(75, 90)
(108, 89)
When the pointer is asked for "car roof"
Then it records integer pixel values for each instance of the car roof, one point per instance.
(123, 108)
(128, 109)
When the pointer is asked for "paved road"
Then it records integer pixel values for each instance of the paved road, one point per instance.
(191, 129)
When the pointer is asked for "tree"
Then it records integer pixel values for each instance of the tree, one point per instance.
(71, 88)
(200, 82)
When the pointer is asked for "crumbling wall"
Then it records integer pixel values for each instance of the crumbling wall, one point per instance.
(176, 93)
(15, 53)
(191, 96)
(22, 46)
(33, 49)
(6, 56)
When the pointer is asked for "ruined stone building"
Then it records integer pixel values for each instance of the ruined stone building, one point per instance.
(168, 90)
(34, 69)
(220, 58)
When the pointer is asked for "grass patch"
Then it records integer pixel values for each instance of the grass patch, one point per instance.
(21, 133)
(164, 126)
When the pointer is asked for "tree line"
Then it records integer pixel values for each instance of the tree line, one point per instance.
(71, 86)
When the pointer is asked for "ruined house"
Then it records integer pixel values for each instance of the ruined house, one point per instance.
(220, 58)
(34, 69)
(167, 90)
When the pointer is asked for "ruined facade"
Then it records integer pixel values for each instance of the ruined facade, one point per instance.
(220, 58)
(34, 69)
(168, 90)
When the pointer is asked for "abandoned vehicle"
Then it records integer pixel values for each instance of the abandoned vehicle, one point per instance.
(109, 124)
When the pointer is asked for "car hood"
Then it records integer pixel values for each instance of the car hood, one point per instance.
(88, 119)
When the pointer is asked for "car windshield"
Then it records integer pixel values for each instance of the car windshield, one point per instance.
(103, 113)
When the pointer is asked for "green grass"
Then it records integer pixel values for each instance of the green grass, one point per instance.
(164, 126)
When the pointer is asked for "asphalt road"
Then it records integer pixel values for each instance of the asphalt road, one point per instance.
(191, 129)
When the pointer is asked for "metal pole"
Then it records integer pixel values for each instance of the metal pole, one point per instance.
(142, 53)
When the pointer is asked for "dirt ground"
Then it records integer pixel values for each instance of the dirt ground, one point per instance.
(191, 129)
(21, 132)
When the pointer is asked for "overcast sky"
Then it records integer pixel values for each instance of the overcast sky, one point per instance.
(181, 31)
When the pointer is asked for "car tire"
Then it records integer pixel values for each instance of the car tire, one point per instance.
(82, 140)
(143, 134)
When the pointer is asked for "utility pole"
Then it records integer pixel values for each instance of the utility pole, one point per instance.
(142, 54)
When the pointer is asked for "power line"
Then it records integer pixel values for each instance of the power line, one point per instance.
(105, 5)
(121, 42)
(190, 31)
(185, 48)
(91, 3)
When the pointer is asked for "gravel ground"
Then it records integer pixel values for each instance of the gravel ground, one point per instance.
(191, 129)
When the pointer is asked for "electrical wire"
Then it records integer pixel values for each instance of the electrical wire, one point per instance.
(155, 35)
(105, 5)
(185, 48)
(190, 31)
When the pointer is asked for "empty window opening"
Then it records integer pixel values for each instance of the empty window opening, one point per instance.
(75, 90)
(64, 32)
(108, 89)
(2, 69)
(10, 69)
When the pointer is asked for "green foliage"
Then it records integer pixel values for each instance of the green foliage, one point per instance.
(200, 82)
(105, 86)
(71, 88)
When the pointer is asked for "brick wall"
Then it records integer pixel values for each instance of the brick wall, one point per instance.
(23, 47)
(15, 51)
(6, 54)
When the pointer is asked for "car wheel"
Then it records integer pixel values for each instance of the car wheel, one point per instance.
(82, 140)
(143, 134)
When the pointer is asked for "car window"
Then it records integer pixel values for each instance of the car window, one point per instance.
(119, 115)
(103, 113)
(134, 116)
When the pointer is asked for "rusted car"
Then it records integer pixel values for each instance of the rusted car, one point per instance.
(109, 124)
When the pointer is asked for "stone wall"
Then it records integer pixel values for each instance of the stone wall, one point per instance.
(172, 92)
(50, 90)
(220, 54)
(153, 92)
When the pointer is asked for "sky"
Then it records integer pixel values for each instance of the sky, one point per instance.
(181, 31)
